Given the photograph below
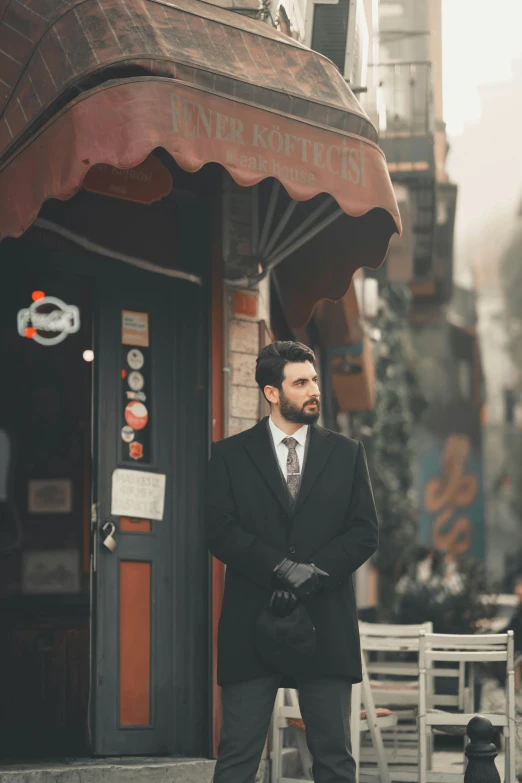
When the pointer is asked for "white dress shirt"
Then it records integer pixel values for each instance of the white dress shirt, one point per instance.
(282, 450)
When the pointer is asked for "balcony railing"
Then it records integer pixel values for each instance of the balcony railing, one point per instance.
(405, 98)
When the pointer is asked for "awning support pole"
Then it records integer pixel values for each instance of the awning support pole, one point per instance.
(93, 247)
(307, 222)
(280, 228)
(303, 239)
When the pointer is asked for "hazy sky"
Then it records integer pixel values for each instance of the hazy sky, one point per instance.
(480, 40)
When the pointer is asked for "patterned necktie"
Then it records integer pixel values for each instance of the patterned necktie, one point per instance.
(293, 473)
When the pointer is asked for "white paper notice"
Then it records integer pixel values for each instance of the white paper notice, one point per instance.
(136, 493)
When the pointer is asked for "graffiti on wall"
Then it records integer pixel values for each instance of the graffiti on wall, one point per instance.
(451, 496)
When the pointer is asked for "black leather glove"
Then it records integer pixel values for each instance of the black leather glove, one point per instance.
(282, 602)
(302, 579)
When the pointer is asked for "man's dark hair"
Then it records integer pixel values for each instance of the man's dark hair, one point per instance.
(271, 362)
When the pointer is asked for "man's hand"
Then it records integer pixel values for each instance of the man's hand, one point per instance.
(302, 579)
(282, 602)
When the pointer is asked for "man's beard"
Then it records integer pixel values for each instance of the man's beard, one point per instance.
(297, 415)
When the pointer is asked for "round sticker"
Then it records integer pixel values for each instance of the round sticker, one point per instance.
(141, 396)
(136, 450)
(136, 381)
(127, 434)
(136, 415)
(135, 359)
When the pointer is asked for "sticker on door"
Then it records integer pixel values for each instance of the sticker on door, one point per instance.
(135, 359)
(135, 328)
(136, 415)
(127, 434)
(136, 381)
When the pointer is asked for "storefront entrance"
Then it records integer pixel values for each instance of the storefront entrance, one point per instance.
(45, 487)
(103, 568)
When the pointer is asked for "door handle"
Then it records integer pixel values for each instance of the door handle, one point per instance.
(108, 530)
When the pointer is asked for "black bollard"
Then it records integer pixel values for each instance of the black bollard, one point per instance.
(481, 752)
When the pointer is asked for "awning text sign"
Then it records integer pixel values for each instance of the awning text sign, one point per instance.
(255, 144)
(136, 493)
(144, 184)
(119, 124)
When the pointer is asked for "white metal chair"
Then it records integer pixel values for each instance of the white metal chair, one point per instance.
(394, 680)
(373, 720)
(287, 714)
(467, 651)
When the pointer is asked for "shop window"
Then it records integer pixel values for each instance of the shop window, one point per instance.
(45, 443)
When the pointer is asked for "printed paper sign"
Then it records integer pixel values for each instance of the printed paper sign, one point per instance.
(136, 493)
(135, 328)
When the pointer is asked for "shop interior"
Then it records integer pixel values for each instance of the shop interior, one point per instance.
(45, 487)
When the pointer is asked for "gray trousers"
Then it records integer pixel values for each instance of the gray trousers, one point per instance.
(247, 709)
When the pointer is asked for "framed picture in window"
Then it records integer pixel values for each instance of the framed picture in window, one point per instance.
(50, 496)
(51, 571)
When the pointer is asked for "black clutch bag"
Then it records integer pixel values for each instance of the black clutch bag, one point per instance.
(286, 644)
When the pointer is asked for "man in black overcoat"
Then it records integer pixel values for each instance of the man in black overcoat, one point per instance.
(290, 511)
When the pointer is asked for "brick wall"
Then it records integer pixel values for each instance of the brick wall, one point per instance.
(244, 311)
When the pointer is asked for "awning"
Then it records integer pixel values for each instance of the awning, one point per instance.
(353, 377)
(401, 252)
(350, 352)
(109, 81)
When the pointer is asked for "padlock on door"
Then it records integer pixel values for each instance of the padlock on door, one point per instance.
(109, 541)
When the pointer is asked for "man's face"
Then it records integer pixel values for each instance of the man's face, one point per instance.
(299, 396)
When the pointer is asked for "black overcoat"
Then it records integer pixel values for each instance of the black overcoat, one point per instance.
(252, 526)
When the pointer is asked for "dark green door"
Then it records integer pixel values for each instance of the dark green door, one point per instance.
(133, 513)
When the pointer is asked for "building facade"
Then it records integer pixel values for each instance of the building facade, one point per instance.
(391, 54)
(166, 209)
(486, 229)
(443, 322)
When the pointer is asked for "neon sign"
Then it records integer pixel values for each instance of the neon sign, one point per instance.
(48, 321)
